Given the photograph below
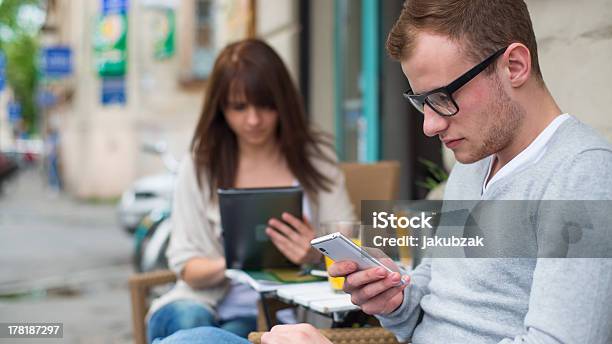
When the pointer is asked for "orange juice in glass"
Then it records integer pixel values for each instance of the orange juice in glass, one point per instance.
(405, 256)
(350, 229)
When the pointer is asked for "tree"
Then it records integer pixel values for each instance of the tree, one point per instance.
(19, 42)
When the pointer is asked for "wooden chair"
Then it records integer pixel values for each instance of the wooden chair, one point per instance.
(371, 335)
(140, 285)
(378, 181)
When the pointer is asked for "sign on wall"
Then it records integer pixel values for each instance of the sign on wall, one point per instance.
(113, 90)
(114, 6)
(14, 111)
(2, 68)
(110, 39)
(165, 28)
(56, 61)
(45, 98)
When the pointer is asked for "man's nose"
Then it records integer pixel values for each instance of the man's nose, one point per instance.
(433, 124)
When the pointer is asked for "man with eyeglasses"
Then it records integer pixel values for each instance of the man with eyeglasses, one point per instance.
(474, 76)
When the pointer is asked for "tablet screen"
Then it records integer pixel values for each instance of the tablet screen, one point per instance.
(244, 218)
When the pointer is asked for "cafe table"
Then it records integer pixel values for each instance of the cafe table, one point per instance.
(313, 296)
(318, 297)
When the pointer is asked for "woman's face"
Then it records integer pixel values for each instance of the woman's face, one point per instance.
(255, 126)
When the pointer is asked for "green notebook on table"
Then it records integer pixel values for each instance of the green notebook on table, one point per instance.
(282, 276)
(270, 279)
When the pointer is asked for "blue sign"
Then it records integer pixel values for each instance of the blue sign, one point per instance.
(46, 98)
(113, 90)
(14, 111)
(57, 61)
(114, 6)
(2, 65)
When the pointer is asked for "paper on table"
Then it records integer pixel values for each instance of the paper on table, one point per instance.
(257, 284)
(271, 280)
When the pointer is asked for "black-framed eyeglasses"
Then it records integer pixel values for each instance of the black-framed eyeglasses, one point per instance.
(441, 99)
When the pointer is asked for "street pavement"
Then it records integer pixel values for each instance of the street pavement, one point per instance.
(63, 260)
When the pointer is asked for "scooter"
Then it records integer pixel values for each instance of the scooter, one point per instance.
(151, 241)
(145, 210)
(150, 192)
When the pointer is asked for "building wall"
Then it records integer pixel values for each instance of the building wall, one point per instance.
(6, 135)
(277, 24)
(100, 146)
(101, 152)
(575, 49)
(321, 64)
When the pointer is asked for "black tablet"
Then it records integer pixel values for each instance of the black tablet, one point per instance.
(244, 218)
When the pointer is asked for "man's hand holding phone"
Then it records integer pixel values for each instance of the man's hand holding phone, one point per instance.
(375, 290)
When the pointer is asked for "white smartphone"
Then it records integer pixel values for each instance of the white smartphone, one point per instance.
(338, 247)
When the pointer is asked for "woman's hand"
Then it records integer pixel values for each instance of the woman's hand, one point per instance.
(294, 242)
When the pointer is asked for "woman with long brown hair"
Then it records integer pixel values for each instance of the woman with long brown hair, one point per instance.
(252, 132)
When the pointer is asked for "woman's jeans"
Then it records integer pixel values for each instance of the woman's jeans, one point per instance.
(185, 314)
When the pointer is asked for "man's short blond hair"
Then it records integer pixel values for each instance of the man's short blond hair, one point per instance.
(480, 27)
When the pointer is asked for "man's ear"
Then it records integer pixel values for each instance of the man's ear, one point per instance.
(518, 58)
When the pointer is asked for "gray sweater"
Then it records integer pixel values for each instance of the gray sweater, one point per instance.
(542, 301)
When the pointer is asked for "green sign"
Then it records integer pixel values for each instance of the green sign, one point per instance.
(110, 44)
(165, 30)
